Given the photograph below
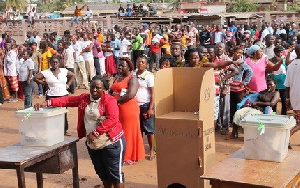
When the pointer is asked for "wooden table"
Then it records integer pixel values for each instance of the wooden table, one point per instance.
(54, 159)
(237, 172)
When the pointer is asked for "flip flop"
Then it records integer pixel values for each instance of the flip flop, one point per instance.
(129, 162)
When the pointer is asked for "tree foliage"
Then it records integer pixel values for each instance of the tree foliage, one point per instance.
(57, 5)
(242, 6)
(19, 4)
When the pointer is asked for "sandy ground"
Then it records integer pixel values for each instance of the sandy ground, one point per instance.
(139, 175)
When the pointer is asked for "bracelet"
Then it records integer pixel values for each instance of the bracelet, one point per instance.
(95, 133)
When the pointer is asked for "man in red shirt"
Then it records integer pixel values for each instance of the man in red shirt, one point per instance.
(155, 51)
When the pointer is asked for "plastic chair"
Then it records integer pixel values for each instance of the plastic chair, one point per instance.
(252, 98)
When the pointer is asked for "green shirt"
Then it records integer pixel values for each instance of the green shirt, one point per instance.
(136, 43)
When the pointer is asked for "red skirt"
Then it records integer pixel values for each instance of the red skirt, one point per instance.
(110, 65)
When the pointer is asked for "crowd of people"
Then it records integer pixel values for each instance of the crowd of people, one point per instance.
(245, 60)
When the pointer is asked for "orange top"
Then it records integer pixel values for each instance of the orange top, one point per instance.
(77, 11)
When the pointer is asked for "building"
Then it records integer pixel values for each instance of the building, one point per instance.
(202, 7)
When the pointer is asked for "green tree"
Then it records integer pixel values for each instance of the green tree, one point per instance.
(242, 6)
(19, 4)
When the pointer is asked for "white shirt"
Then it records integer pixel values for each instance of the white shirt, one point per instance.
(37, 39)
(292, 81)
(10, 64)
(78, 48)
(146, 80)
(87, 56)
(124, 48)
(264, 34)
(24, 68)
(57, 85)
(218, 37)
(89, 13)
(69, 57)
(280, 31)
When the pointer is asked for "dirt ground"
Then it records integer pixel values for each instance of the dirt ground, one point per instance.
(139, 175)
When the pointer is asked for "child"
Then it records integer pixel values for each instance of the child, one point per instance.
(239, 83)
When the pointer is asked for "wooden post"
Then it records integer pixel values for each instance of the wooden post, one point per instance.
(24, 29)
(108, 22)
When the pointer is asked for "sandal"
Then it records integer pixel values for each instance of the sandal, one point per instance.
(152, 156)
(129, 162)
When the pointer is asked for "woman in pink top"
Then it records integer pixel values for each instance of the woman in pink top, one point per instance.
(260, 67)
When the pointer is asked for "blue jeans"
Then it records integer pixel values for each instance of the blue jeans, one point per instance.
(27, 93)
(76, 19)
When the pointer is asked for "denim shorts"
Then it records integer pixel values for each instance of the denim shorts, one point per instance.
(147, 124)
(108, 162)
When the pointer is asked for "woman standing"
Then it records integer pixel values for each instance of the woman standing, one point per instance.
(124, 89)
(98, 117)
(56, 81)
(145, 98)
(26, 68)
(110, 65)
(3, 82)
(260, 66)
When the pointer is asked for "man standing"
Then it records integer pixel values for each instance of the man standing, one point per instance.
(137, 46)
(68, 56)
(125, 46)
(79, 66)
(87, 46)
(10, 70)
(293, 88)
(269, 49)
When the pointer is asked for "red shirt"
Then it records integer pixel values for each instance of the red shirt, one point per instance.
(156, 48)
(107, 107)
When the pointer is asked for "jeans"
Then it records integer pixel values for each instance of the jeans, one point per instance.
(224, 112)
(154, 58)
(97, 65)
(282, 93)
(27, 89)
(76, 19)
(117, 60)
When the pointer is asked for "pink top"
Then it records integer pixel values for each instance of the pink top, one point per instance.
(258, 80)
(95, 51)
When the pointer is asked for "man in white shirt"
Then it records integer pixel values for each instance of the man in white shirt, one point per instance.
(87, 53)
(264, 33)
(293, 88)
(31, 15)
(79, 66)
(37, 39)
(68, 56)
(88, 14)
(281, 30)
(10, 70)
(125, 46)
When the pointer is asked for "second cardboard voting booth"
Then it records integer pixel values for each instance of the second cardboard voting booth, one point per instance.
(185, 138)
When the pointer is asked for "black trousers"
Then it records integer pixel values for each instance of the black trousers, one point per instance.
(282, 93)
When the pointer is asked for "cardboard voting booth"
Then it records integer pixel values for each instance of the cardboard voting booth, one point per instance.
(185, 139)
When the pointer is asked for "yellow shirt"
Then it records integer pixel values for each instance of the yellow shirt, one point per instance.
(167, 38)
(45, 63)
(168, 48)
(183, 40)
(100, 37)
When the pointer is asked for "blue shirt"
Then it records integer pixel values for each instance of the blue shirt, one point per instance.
(116, 45)
(249, 73)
